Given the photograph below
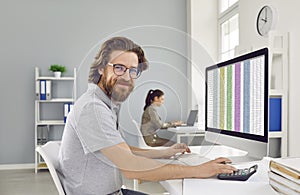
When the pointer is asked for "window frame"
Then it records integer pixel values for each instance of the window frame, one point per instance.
(223, 17)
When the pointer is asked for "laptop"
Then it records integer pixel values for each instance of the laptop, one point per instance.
(191, 119)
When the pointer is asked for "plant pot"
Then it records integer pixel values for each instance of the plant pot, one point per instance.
(57, 74)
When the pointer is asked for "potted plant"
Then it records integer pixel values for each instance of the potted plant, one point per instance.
(57, 69)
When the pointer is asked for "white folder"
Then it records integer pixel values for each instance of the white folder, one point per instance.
(71, 107)
(66, 111)
(37, 90)
(48, 90)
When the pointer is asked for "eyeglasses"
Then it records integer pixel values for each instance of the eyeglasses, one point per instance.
(120, 69)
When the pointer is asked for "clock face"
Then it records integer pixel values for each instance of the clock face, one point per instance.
(265, 20)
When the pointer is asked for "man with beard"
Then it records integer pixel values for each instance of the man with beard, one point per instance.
(93, 153)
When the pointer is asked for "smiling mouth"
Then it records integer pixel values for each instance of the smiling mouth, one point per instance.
(124, 84)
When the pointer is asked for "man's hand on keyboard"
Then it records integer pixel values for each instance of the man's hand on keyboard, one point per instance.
(214, 167)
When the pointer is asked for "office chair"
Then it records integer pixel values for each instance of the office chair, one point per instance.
(140, 138)
(141, 144)
(141, 141)
(49, 152)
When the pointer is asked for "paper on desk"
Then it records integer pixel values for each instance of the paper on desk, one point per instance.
(215, 186)
(256, 184)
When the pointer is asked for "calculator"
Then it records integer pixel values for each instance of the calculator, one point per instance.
(239, 175)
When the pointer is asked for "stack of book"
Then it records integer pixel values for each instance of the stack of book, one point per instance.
(284, 175)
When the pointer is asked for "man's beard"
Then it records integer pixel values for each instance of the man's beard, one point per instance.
(117, 94)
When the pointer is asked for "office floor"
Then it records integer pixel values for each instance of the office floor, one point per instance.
(19, 182)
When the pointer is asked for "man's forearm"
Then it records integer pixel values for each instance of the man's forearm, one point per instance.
(139, 167)
(165, 172)
(149, 153)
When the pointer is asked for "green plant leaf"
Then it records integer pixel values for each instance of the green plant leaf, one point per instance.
(57, 68)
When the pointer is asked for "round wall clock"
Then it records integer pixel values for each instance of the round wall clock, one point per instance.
(266, 20)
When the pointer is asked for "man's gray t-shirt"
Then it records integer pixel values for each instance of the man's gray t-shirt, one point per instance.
(91, 126)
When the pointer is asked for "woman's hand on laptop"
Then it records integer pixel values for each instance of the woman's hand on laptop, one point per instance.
(177, 123)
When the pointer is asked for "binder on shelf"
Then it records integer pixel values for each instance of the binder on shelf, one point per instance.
(42, 89)
(45, 134)
(67, 108)
(39, 135)
(275, 114)
(42, 134)
(48, 90)
(66, 111)
(37, 90)
(71, 107)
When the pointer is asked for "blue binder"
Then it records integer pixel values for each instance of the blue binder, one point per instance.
(275, 114)
(67, 108)
(42, 89)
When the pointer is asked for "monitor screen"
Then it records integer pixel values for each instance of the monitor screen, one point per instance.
(236, 102)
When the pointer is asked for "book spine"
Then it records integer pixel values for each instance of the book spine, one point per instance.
(285, 175)
(282, 189)
(284, 181)
(283, 169)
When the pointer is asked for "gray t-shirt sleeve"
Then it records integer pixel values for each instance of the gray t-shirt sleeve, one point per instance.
(97, 127)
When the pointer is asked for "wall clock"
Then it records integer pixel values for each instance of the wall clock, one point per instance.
(266, 20)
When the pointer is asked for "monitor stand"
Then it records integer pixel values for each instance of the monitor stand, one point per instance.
(248, 149)
(213, 151)
(205, 153)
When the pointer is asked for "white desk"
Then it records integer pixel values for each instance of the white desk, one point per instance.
(256, 184)
(186, 131)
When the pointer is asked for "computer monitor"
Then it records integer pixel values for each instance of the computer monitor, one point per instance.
(236, 103)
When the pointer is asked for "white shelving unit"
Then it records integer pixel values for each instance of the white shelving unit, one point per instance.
(40, 122)
(279, 74)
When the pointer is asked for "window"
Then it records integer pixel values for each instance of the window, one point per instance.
(228, 32)
(225, 4)
(228, 28)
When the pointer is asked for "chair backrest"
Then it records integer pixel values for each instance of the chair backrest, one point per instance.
(140, 138)
(141, 141)
(49, 152)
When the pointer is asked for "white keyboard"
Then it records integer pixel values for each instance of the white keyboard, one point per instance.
(192, 159)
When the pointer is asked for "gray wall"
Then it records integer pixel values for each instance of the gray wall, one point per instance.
(42, 32)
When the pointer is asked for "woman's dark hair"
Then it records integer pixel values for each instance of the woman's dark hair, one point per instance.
(151, 95)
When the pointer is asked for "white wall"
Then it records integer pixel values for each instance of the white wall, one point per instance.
(288, 16)
(202, 20)
(203, 27)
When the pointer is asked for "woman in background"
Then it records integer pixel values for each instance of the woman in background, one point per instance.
(151, 122)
